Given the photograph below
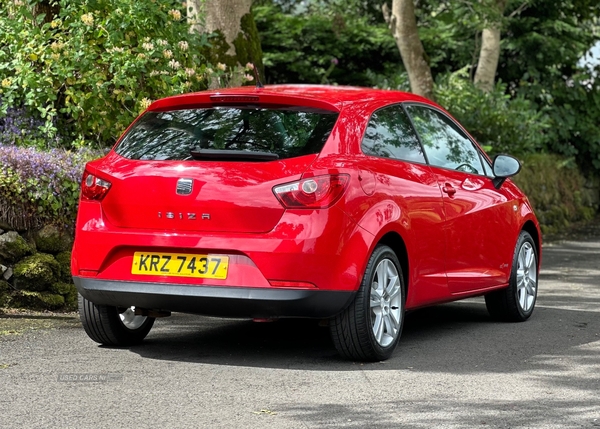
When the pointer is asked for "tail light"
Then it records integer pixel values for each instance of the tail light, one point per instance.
(317, 192)
(93, 188)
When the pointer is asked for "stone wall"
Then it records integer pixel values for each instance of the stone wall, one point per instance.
(35, 269)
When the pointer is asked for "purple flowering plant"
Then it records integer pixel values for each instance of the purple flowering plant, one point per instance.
(39, 187)
(20, 127)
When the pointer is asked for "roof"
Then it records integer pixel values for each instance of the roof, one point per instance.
(322, 96)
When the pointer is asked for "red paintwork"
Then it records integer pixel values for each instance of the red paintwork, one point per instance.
(458, 243)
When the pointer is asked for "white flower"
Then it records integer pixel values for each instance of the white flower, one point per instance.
(87, 18)
(249, 66)
(175, 14)
(167, 53)
(174, 64)
(145, 103)
(190, 72)
(221, 66)
(148, 46)
(183, 45)
(248, 77)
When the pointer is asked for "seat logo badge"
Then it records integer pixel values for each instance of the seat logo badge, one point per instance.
(185, 186)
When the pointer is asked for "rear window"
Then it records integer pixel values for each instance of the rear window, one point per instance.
(181, 134)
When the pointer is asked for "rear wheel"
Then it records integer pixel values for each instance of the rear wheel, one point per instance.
(369, 329)
(516, 303)
(113, 326)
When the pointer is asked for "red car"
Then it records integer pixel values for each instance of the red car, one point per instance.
(348, 204)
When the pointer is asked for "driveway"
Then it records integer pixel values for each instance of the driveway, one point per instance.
(455, 368)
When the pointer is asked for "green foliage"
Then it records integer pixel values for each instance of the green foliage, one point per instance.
(324, 47)
(40, 187)
(574, 112)
(64, 259)
(556, 189)
(36, 272)
(497, 121)
(37, 300)
(544, 44)
(97, 64)
(69, 293)
(396, 81)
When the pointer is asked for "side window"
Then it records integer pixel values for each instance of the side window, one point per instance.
(444, 142)
(390, 135)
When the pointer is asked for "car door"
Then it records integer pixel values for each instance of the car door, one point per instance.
(404, 180)
(479, 218)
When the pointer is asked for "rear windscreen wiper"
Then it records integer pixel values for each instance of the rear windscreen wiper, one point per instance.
(235, 155)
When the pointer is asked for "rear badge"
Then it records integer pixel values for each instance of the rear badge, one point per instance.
(185, 186)
(182, 216)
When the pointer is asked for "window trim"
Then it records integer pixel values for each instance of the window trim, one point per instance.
(399, 105)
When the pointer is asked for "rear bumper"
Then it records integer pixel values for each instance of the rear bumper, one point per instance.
(215, 300)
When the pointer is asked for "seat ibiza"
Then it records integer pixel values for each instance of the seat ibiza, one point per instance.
(347, 204)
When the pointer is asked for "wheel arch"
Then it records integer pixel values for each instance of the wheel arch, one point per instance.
(531, 228)
(395, 241)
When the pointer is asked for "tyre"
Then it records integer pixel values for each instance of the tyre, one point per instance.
(516, 302)
(370, 327)
(113, 326)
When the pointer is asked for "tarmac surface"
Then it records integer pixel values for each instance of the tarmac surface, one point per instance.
(455, 368)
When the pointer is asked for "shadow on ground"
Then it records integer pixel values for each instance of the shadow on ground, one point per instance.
(457, 337)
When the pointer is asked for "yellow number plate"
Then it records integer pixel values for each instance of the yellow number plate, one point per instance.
(180, 265)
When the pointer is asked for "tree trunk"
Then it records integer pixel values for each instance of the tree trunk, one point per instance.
(403, 24)
(490, 51)
(48, 9)
(237, 42)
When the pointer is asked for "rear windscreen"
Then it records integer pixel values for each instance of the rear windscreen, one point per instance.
(178, 134)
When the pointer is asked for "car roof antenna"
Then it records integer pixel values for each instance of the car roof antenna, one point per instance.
(258, 82)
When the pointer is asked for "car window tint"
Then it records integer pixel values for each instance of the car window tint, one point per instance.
(390, 135)
(444, 142)
(171, 135)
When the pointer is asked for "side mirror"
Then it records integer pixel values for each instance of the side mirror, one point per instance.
(504, 166)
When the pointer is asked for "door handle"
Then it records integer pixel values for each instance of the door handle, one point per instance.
(449, 189)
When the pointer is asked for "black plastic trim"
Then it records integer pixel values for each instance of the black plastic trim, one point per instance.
(215, 300)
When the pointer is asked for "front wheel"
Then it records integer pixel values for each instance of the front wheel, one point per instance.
(516, 303)
(369, 328)
(113, 326)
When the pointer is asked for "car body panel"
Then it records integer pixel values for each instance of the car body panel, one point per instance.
(475, 213)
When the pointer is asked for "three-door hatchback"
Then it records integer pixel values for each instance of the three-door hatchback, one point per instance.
(348, 204)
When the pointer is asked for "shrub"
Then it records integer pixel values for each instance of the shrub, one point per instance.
(498, 122)
(19, 127)
(574, 110)
(39, 187)
(91, 69)
(556, 189)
